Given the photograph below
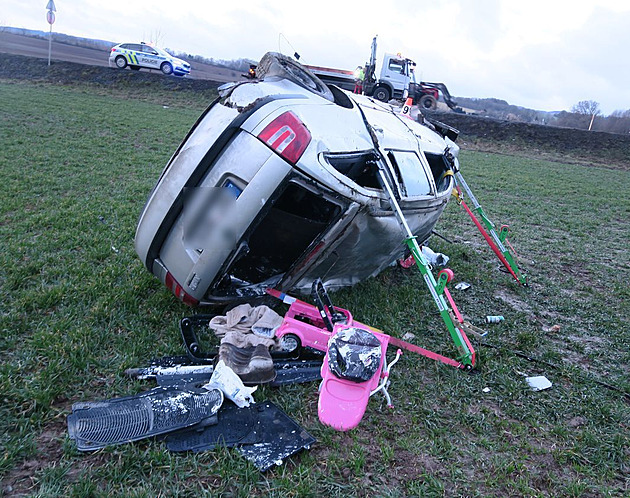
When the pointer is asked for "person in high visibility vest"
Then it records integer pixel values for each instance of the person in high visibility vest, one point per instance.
(359, 75)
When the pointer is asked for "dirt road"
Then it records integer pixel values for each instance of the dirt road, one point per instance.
(35, 47)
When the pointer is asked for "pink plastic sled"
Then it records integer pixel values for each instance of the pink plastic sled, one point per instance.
(355, 366)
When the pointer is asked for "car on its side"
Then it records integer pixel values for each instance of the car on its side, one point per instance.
(278, 184)
(138, 55)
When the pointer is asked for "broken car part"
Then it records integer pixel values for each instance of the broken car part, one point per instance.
(95, 425)
(262, 433)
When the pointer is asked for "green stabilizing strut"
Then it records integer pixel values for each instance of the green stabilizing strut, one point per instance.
(435, 288)
(499, 248)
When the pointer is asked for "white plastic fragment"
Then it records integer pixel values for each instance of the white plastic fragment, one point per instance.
(463, 286)
(434, 258)
(226, 380)
(538, 383)
(486, 389)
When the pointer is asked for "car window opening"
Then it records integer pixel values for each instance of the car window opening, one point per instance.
(410, 172)
(361, 167)
(439, 168)
(296, 220)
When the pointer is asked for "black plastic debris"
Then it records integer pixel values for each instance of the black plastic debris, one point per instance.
(187, 372)
(281, 438)
(262, 433)
(95, 425)
(234, 426)
(297, 371)
(354, 354)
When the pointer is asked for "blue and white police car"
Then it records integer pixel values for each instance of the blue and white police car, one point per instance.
(137, 55)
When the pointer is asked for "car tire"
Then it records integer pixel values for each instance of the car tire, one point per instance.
(121, 62)
(381, 93)
(166, 68)
(278, 65)
(428, 103)
(135, 68)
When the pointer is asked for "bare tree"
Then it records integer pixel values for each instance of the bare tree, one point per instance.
(153, 37)
(589, 107)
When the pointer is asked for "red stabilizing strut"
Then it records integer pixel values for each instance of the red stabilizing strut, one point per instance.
(489, 240)
(460, 319)
(394, 341)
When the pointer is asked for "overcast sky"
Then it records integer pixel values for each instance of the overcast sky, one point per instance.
(542, 54)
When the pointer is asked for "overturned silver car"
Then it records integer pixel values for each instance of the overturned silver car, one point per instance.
(277, 185)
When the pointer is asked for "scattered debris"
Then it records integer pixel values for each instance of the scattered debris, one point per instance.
(263, 434)
(538, 383)
(463, 286)
(486, 389)
(95, 425)
(224, 379)
(409, 336)
(553, 328)
(434, 258)
(494, 318)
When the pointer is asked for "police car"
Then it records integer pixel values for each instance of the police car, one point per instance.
(137, 55)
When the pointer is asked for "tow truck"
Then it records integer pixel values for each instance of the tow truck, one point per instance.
(393, 77)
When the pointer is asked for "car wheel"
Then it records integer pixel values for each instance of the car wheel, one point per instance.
(428, 103)
(121, 62)
(382, 93)
(279, 65)
(135, 68)
(166, 68)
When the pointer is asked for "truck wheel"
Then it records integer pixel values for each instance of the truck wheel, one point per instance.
(279, 65)
(428, 103)
(166, 68)
(381, 93)
(121, 62)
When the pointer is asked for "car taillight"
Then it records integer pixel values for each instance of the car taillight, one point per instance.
(114, 49)
(177, 289)
(287, 135)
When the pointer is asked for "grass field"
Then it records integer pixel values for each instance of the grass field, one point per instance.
(77, 308)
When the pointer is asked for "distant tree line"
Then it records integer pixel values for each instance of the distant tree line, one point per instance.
(587, 115)
(584, 115)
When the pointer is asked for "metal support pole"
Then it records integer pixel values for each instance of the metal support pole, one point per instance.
(49, 43)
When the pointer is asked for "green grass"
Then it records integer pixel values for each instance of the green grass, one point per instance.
(77, 308)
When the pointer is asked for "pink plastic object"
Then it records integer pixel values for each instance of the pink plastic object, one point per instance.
(342, 403)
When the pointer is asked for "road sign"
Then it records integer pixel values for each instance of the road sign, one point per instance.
(50, 17)
(51, 6)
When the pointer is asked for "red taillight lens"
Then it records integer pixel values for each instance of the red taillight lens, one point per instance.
(177, 289)
(114, 49)
(287, 135)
